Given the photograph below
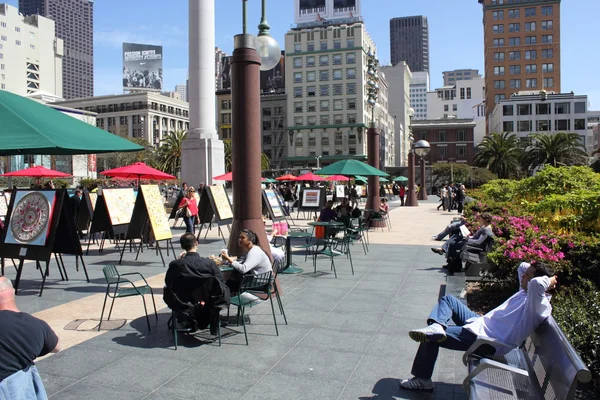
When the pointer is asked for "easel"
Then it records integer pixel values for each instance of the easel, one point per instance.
(102, 223)
(220, 231)
(210, 211)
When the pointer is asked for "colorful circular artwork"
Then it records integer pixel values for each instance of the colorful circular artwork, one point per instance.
(30, 217)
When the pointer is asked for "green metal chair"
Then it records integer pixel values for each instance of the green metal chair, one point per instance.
(113, 277)
(275, 290)
(335, 247)
(260, 284)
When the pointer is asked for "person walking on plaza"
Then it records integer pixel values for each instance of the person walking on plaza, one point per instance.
(442, 194)
(23, 338)
(189, 206)
(402, 193)
(510, 323)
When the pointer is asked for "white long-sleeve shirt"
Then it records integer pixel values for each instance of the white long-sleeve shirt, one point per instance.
(256, 261)
(514, 320)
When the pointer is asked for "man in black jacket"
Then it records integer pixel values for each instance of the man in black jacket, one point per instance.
(194, 286)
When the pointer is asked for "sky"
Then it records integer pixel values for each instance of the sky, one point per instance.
(455, 36)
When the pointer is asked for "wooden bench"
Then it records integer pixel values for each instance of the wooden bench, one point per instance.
(546, 367)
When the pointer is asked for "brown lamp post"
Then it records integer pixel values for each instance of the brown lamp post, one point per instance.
(422, 148)
(251, 55)
(373, 200)
(411, 195)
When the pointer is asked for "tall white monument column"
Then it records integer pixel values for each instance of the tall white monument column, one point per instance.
(202, 153)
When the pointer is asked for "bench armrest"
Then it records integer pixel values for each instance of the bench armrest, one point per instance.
(481, 341)
(487, 364)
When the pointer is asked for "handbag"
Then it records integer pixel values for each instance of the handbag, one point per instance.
(188, 212)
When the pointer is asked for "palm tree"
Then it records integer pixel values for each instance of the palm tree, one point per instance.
(169, 152)
(500, 153)
(557, 149)
(264, 160)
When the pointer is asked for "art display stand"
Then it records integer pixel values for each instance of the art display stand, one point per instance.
(271, 204)
(214, 207)
(86, 211)
(54, 233)
(311, 200)
(149, 223)
(110, 219)
(173, 214)
(286, 209)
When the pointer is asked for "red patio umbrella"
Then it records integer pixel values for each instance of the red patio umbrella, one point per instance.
(138, 171)
(38, 172)
(288, 177)
(341, 178)
(310, 177)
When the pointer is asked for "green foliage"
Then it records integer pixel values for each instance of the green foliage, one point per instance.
(500, 153)
(471, 177)
(264, 160)
(61, 183)
(559, 181)
(90, 183)
(576, 309)
(169, 152)
(555, 149)
(499, 190)
(574, 211)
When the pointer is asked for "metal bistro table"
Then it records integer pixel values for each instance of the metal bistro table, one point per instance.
(292, 268)
(328, 225)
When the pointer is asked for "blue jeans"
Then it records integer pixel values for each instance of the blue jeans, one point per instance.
(25, 384)
(189, 224)
(451, 229)
(448, 308)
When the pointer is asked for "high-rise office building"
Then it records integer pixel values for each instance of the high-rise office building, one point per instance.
(409, 41)
(522, 47)
(451, 77)
(74, 23)
(182, 90)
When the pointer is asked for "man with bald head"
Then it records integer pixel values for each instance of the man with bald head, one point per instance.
(23, 338)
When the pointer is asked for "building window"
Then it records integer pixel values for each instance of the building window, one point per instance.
(324, 105)
(530, 12)
(310, 46)
(514, 27)
(543, 109)
(543, 126)
(562, 108)
(524, 126)
(523, 109)
(514, 14)
(442, 152)
(324, 90)
(579, 124)
(497, 15)
(498, 42)
(547, 53)
(499, 56)
(514, 70)
(324, 119)
(562, 124)
(530, 40)
(323, 45)
(497, 85)
(337, 44)
(461, 135)
(531, 68)
(514, 41)
(323, 60)
(441, 136)
(350, 58)
(298, 62)
(498, 70)
(338, 119)
(507, 110)
(311, 120)
(297, 77)
(298, 107)
(18, 42)
(461, 151)
(580, 107)
(266, 125)
(514, 55)
(338, 89)
(337, 74)
(529, 26)
(499, 97)
(531, 54)
(546, 39)
(351, 104)
(338, 105)
(266, 112)
(547, 10)
(311, 106)
(3, 24)
(311, 76)
(515, 83)
(548, 67)
(350, 43)
(469, 90)
(297, 47)
(297, 92)
(310, 61)
(311, 91)
(462, 92)
(508, 126)
(351, 88)
(498, 28)
(351, 119)
(351, 73)
(546, 25)
(337, 59)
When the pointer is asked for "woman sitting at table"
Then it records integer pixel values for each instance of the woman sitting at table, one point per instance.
(384, 207)
(327, 213)
(344, 209)
(255, 260)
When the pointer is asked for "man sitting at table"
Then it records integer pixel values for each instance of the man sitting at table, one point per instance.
(327, 213)
(255, 260)
(193, 286)
(344, 209)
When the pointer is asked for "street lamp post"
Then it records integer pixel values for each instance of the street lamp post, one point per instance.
(251, 54)
(411, 196)
(318, 158)
(422, 148)
(373, 200)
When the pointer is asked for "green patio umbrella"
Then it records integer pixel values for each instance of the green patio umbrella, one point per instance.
(383, 180)
(29, 127)
(269, 180)
(401, 179)
(360, 178)
(350, 167)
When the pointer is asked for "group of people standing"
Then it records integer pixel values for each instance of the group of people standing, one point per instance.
(452, 197)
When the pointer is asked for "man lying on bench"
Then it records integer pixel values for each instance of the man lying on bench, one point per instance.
(510, 323)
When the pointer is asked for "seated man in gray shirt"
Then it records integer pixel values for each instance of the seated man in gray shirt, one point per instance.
(255, 260)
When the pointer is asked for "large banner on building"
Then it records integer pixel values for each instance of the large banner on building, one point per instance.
(273, 81)
(225, 78)
(142, 66)
(324, 11)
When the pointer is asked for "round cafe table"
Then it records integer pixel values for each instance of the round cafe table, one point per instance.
(328, 225)
(292, 268)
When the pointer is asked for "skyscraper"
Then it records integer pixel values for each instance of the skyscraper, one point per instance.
(74, 22)
(409, 41)
(522, 48)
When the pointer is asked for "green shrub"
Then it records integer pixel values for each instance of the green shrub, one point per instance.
(90, 183)
(559, 181)
(502, 190)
